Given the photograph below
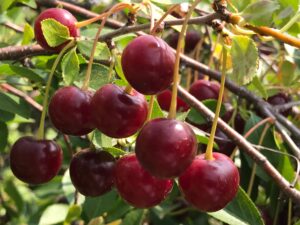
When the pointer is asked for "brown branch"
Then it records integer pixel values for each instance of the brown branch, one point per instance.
(21, 94)
(17, 52)
(13, 26)
(244, 145)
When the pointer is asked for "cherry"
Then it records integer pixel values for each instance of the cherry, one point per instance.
(35, 161)
(280, 99)
(191, 40)
(164, 101)
(210, 185)
(138, 187)
(205, 89)
(166, 147)
(118, 114)
(70, 111)
(239, 123)
(148, 64)
(62, 16)
(92, 172)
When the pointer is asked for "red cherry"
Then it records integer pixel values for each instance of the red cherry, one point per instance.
(166, 147)
(70, 111)
(280, 99)
(204, 89)
(118, 114)
(164, 100)
(91, 172)
(62, 16)
(210, 185)
(136, 186)
(148, 64)
(191, 40)
(35, 161)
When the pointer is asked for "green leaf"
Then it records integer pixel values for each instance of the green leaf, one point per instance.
(4, 135)
(102, 52)
(261, 12)
(156, 111)
(119, 70)
(197, 118)
(242, 209)
(115, 152)
(11, 189)
(288, 73)
(6, 116)
(6, 69)
(14, 105)
(5, 4)
(28, 34)
(30, 3)
(73, 214)
(54, 32)
(244, 60)
(99, 76)
(54, 214)
(259, 87)
(134, 217)
(100, 140)
(70, 66)
(123, 40)
(94, 207)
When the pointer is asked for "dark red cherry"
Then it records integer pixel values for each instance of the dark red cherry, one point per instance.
(136, 186)
(92, 172)
(166, 147)
(35, 161)
(280, 99)
(70, 111)
(60, 15)
(118, 114)
(239, 123)
(191, 40)
(205, 89)
(148, 64)
(210, 185)
(164, 101)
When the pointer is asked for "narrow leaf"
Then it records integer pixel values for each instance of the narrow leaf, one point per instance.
(102, 52)
(28, 34)
(70, 66)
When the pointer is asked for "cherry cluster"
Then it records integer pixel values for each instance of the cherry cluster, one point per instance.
(165, 148)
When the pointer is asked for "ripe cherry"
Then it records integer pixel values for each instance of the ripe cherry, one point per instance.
(148, 64)
(116, 113)
(210, 185)
(138, 187)
(191, 40)
(70, 111)
(60, 15)
(164, 101)
(166, 147)
(280, 99)
(204, 89)
(35, 161)
(92, 172)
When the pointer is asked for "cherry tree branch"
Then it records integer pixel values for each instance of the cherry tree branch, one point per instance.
(244, 145)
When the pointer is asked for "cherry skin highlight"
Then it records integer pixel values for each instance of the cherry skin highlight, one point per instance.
(136, 186)
(204, 89)
(148, 64)
(166, 147)
(118, 114)
(164, 101)
(210, 185)
(60, 15)
(92, 172)
(70, 111)
(35, 161)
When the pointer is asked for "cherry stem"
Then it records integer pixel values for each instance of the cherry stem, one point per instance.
(114, 9)
(40, 134)
(179, 50)
(211, 57)
(289, 219)
(253, 172)
(128, 89)
(150, 108)
(156, 25)
(209, 149)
